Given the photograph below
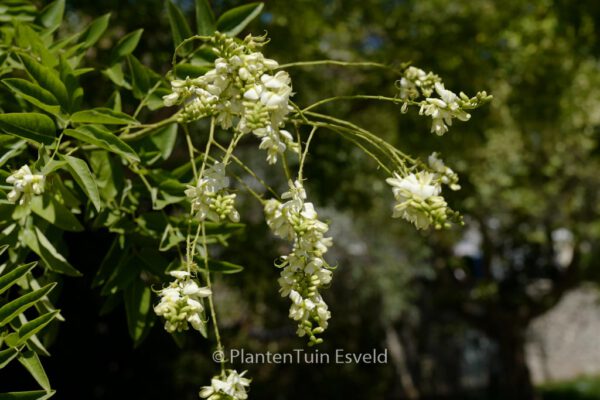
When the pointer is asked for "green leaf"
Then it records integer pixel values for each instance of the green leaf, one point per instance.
(31, 361)
(33, 126)
(17, 306)
(28, 38)
(125, 46)
(39, 243)
(29, 329)
(109, 174)
(34, 94)
(115, 74)
(102, 116)
(47, 78)
(138, 306)
(179, 26)
(165, 139)
(69, 78)
(205, 19)
(233, 21)
(8, 279)
(84, 178)
(224, 267)
(94, 31)
(140, 80)
(32, 395)
(102, 137)
(7, 356)
(54, 212)
(51, 16)
(3, 249)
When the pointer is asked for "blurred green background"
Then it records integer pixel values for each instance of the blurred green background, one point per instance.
(474, 312)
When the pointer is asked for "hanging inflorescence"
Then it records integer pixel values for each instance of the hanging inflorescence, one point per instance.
(246, 93)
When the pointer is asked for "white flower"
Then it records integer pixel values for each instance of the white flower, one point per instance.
(418, 199)
(445, 174)
(241, 87)
(304, 270)
(420, 185)
(26, 184)
(180, 303)
(442, 110)
(209, 198)
(232, 386)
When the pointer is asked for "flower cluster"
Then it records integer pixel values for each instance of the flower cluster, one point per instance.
(416, 82)
(231, 387)
(181, 303)
(443, 173)
(304, 270)
(210, 199)
(242, 91)
(442, 109)
(25, 185)
(419, 201)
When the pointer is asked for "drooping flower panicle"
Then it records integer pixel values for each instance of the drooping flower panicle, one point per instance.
(442, 109)
(304, 271)
(243, 91)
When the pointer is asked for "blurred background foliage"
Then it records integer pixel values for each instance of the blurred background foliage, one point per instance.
(452, 307)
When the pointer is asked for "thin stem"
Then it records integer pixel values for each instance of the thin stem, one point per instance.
(286, 169)
(57, 146)
(211, 304)
(303, 158)
(248, 170)
(184, 43)
(211, 135)
(394, 100)
(191, 149)
(236, 138)
(334, 62)
(146, 129)
(146, 98)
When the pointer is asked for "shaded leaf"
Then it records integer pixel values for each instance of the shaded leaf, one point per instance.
(7, 356)
(205, 19)
(17, 306)
(102, 137)
(84, 178)
(103, 115)
(180, 29)
(54, 212)
(29, 329)
(32, 395)
(51, 16)
(138, 306)
(9, 278)
(31, 362)
(126, 45)
(39, 243)
(47, 78)
(34, 94)
(94, 31)
(33, 126)
(233, 21)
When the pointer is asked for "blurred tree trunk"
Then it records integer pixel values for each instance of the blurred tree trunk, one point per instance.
(513, 379)
(398, 356)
